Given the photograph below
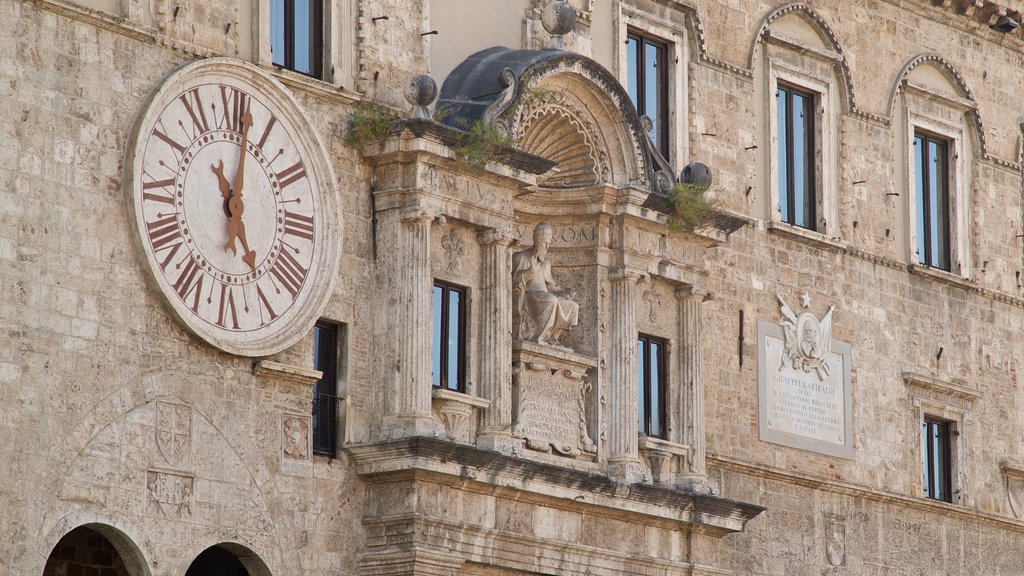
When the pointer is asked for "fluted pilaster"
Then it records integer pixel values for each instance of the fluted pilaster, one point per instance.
(495, 382)
(622, 398)
(416, 302)
(690, 360)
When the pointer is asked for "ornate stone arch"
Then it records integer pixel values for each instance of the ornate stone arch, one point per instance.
(956, 79)
(828, 37)
(562, 106)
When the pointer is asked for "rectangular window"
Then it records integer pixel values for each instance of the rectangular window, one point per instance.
(798, 200)
(931, 165)
(935, 452)
(650, 353)
(647, 84)
(449, 345)
(296, 35)
(325, 391)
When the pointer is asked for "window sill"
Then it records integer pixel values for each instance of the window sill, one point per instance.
(457, 412)
(300, 81)
(811, 237)
(943, 276)
(444, 394)
(660, 455)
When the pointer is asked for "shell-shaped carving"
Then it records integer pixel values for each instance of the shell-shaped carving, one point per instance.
(556, 135)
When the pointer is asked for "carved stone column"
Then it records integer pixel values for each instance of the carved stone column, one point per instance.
(623, 452)
(690, 360)
(416, 301)
(496, 339)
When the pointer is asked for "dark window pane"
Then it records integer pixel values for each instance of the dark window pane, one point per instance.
(936, 455)
(454, 344)
(448, 352)
(921, 198)
(296, 35)
(796, 157)
(632, 80)
(931, 164)
(641, 383)
(651, 381)
(325, 394)
(647, 85)
(656, 395)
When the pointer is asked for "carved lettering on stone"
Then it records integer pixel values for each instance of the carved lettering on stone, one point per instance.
(169, 495)
(807, 338)
(453, 249)
(551, 408)
(542, 310)
(173, 431)
(296, 437)
(835, 545)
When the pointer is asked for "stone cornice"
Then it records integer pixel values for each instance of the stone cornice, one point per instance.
(489, 472)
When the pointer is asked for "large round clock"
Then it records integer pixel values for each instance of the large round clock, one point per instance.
(235, 206)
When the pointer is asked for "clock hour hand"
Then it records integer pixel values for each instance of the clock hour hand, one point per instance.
(236, 229)
(225, 186)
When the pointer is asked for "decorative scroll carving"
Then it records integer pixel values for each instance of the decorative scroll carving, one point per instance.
(296, 437)
(169, 494)
(807, 339)
(173, 431)
(542, 311)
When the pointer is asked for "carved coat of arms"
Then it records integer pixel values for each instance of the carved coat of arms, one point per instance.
(173, 430)
(808, 339)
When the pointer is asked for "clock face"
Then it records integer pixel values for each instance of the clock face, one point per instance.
(234, 207)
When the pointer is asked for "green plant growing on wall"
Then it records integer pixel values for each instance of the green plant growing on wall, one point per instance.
(481, 143)
(693, 208)
(368, 123)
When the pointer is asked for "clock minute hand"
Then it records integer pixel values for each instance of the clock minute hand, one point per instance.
(235, 206)
(246, 121)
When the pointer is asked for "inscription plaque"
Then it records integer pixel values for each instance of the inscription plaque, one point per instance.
(806, 409)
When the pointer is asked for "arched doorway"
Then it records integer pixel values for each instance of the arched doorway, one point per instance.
(85, 550)
(227, 559)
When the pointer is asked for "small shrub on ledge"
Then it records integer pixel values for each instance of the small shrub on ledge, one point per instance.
(368, 123)
(481, 144)
(693, 209)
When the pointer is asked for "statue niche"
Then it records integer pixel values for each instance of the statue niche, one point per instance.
(542, 311)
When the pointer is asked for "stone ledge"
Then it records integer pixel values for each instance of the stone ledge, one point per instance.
(943, 276)
(806, 236)
(919, 381)
(492, 473)
(286, 372)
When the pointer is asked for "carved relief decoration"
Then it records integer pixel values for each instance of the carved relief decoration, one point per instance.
(653, 300)
(453, 249)
(551, 409)
(169, 495)
(807, 339)
(835, 546)
(296, 437)
(557, 135)
(173, 431)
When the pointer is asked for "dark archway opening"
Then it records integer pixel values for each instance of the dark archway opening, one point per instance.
(216, 561)
(85, 551)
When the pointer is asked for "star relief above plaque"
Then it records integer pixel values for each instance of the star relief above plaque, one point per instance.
(803, 381)
(235, 206)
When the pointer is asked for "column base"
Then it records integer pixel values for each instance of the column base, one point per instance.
(629, 470)
(697, 484)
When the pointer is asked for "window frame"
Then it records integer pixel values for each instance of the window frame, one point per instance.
(439, 346)
(644, 399)
(643, 39)
(922, 183)
(944, 483)
(674, 35)
(337, 33)
(956, 190)
(330, 352)
(811, 157)
(951, 403)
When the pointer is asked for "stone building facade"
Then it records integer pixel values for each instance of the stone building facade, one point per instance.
(524, 360)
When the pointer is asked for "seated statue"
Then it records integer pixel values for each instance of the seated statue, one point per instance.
(545, 311)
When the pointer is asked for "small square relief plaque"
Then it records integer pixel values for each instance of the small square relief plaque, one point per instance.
(803, 382)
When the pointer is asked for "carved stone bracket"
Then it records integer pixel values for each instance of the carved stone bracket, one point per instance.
(458, 413)
(664, 458)
(551, 390)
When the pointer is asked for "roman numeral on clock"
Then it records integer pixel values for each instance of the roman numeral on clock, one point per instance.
(194, 107)
(289, 175)
(289, 272)
(227, 306)
(235, 105)
(264, 303)
(190, 280)
(298, 225)
(166, 186)
(164, 234)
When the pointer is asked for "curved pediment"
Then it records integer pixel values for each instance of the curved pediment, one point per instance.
(561, 106)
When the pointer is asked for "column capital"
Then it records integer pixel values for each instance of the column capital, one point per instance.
(419, 215)
(692, 293)
(495, 236)
(622, 273)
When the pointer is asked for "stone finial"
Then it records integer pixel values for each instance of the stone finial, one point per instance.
(558, 19)
(420, 91)
(696, 173)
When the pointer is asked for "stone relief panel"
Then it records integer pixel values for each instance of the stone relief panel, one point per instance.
(168, 495)
(454, 248)
(835, 544)
(173, 431)
(542, 311)
(804, 395)
(296, 437)
(454, 253)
